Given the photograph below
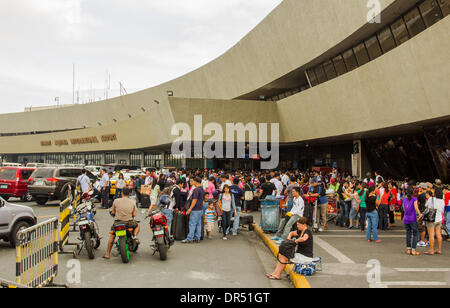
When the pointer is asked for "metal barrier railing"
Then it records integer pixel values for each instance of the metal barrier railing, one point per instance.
(64, 223)
(37, 254)
(6, 284)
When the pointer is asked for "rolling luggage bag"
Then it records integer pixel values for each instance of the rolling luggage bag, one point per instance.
(145, 201)
(179, 226)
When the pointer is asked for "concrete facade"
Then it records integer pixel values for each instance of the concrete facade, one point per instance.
(405, 87)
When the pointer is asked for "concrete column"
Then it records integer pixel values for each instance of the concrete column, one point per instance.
(356, 159)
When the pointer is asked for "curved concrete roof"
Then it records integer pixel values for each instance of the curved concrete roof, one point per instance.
(293, 34)
(407, 85)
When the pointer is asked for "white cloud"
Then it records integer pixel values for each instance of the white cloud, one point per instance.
(140, 42)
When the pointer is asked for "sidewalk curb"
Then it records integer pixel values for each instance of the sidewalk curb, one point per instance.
(299, 281)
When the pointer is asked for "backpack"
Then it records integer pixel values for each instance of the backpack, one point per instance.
(167, 190)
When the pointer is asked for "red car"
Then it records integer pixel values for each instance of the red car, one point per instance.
(14, 182)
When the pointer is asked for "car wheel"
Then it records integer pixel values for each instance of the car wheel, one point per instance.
(67, 194)
(27, 197)
(41, 201)
(21, 225)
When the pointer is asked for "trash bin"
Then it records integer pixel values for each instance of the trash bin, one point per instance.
(270, 214)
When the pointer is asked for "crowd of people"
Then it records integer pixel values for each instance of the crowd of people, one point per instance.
(369, 204)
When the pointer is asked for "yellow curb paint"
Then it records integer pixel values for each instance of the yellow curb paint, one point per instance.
(299, 281)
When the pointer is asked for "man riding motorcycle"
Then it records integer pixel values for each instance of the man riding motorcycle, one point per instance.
(124, 210)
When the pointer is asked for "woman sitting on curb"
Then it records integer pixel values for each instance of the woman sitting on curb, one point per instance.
(304, 253)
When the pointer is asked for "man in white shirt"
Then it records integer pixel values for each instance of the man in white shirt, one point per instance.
(85, 183)
(284, 179)
(278, 185)
(148, 179)
(291, 217)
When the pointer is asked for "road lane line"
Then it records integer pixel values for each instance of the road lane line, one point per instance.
(443, 270)
(359, 236)
(333, 251)
(410, 283)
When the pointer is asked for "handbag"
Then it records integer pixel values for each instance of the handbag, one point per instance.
(248, 194)
(287, 249)
(429, 215)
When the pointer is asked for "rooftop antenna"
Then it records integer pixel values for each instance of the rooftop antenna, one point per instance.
(73, 84)
(123, 91)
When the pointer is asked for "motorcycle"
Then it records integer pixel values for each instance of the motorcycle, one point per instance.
(89, 232)
(162, 240)
(124, 241)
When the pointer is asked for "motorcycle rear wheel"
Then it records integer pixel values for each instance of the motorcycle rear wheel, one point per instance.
(162, 249)
(123, 249)
(89, 245)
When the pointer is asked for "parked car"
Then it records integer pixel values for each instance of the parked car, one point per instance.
(14, 218)
(14, 182)
(54, 183)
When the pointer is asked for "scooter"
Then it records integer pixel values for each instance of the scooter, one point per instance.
(162, 240)
(124, 240)
(89, 231)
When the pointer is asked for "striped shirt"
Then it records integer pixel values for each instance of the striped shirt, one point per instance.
(209, 215)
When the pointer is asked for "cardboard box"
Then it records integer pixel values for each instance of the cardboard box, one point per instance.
(145, 189)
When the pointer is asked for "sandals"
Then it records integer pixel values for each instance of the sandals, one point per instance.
(415, 253)
(107, 258)
(272, 277)
(409, 252)
(428, 253)
(438, 252)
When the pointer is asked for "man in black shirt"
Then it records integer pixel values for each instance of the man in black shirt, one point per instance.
(267, 188)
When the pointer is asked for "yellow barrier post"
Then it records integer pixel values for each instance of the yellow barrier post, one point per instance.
(64, 225)
(37, 255)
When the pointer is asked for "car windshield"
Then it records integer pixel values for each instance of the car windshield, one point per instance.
(7, 174)
(42, 173)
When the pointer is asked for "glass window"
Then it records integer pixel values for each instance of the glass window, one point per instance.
(414, 22)
(312, 78)
(350, 60)
(373, 48)
(329, 70)
(361, 54)
(430, 12)
(400, 32)
(386, 40)
(445, 6)
(320, 74)
(339, 65)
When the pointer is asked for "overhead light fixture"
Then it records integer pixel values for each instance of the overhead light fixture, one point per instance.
(262, 97)
(129, 115)
(156, 102)
(169, 93)
(143, 109)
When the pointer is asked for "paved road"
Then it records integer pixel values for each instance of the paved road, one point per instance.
(346, 254)
(240, 262)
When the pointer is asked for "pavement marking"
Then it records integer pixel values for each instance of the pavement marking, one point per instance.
(359, 236)
(408, 283)
(422, 269)
(355, 231)
(333, 251)
(48, 216)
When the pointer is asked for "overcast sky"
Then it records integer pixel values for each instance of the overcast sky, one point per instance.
(141, 43)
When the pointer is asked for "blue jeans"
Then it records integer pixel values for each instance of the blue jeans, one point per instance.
(412, 230)
(343, 214)
(195, 226)
(169, 215)
(372, 219)
(236, 221)
(226, 222)
(290, 205)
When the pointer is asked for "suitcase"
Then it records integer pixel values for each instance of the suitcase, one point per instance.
(309, 213)
(179, 226)
(145, 201)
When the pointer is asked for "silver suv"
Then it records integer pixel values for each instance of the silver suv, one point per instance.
(14, 218)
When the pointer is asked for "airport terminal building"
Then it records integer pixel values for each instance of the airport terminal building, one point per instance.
(348, 93)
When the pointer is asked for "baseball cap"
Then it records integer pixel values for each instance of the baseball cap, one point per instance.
(332, 181)
(423, 185)
(438, 182)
